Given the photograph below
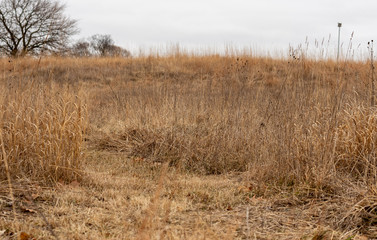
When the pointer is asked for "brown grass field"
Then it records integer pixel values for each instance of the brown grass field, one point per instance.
(187, 147)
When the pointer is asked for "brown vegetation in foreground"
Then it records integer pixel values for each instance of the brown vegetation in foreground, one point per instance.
(299, 135)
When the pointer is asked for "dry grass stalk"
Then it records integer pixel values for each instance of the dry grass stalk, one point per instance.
(5, 159)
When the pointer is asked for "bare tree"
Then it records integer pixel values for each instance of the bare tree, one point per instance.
(81, 49)
(102, 44)
(98, 45)
(116, 51)
(31, 26)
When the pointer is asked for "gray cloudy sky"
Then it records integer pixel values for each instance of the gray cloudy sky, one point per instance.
(264, 24)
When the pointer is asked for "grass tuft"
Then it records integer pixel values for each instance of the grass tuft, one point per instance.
(42, 129)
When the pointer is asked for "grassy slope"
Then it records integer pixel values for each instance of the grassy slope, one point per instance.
(186, 147)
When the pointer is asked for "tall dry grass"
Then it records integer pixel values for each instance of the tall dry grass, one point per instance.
(299, 125)
(42, 126)
(284, 121)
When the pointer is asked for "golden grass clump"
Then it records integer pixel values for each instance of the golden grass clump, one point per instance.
(42, 128)
(357, 140)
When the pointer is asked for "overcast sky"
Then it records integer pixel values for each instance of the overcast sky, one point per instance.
(264, 24)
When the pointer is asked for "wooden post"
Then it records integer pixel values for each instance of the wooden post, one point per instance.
(373, 93)
(337, 56)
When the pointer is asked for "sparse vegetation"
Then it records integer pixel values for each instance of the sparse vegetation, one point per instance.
(188, 147)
